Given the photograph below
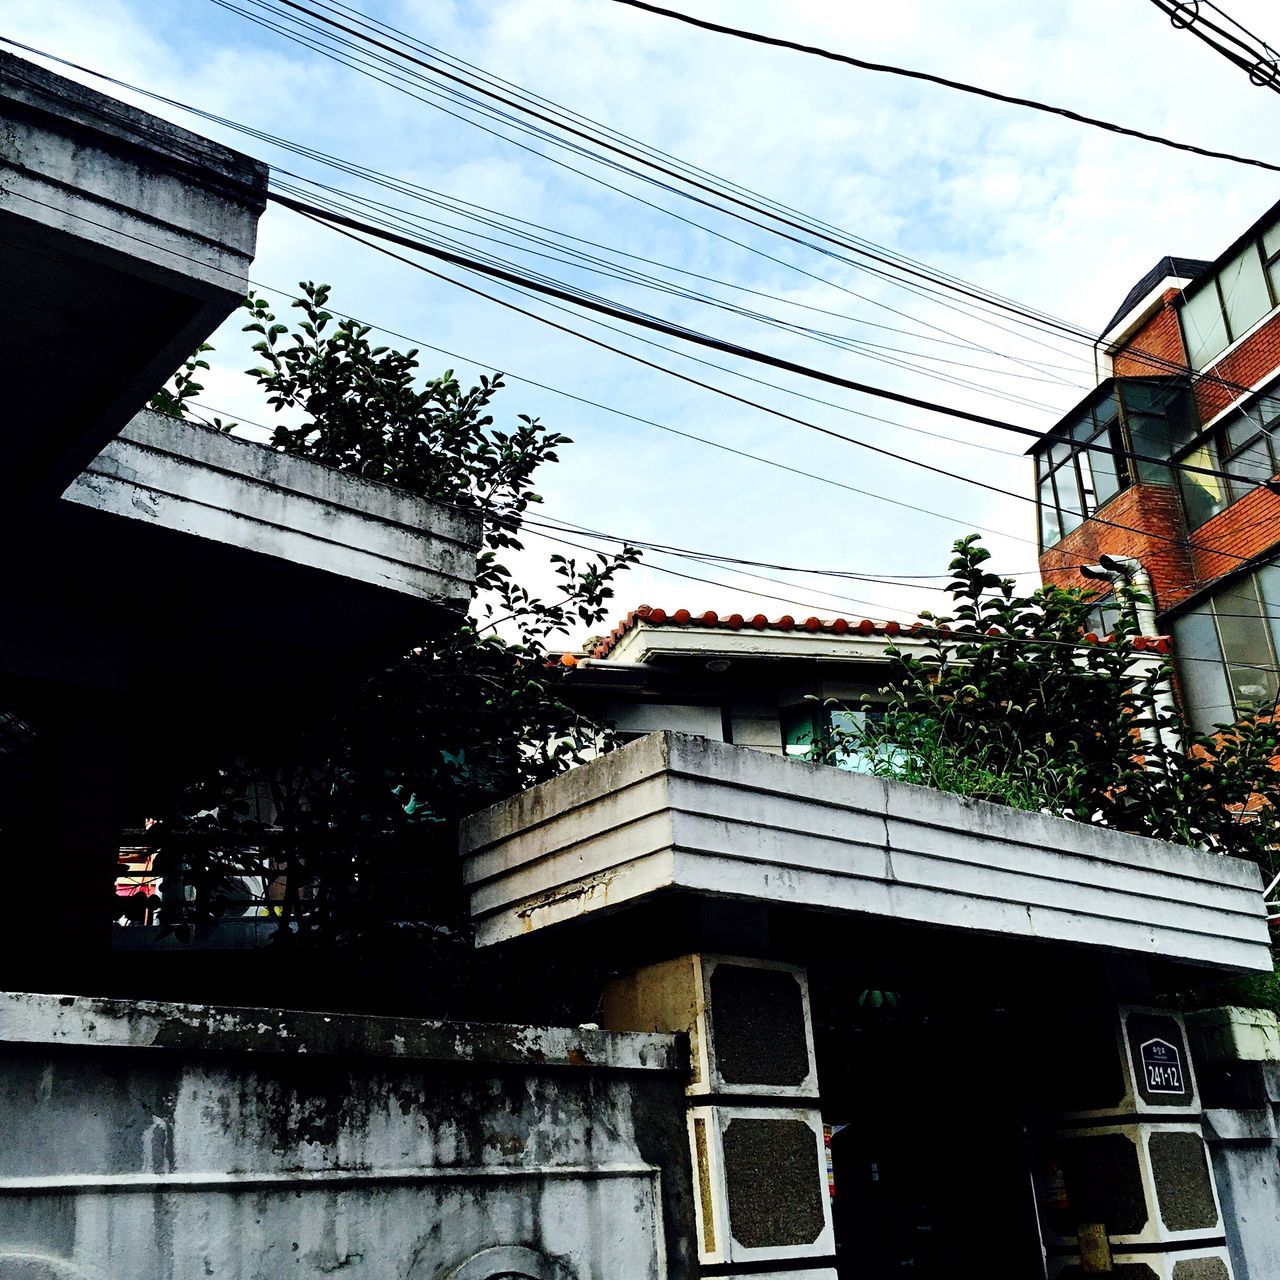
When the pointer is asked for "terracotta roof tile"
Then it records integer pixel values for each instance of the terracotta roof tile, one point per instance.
(655, 617)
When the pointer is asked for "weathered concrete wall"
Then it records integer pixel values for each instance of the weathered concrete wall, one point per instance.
(670, 812)
(171, 1142)
(126, 240)
(205, 484)
(1237, 1053)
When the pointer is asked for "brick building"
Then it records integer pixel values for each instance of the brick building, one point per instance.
(1190, 367)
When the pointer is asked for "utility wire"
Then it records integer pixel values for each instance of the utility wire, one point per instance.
(959, 85)
(343, 221)
(1186, 543)
(1260, 64)
(397, 82)
(720, 391)
(1150, 358)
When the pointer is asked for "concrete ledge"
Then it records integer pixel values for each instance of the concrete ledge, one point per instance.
(1231, 1124)
(203, 483)
(90, 1022)
(1235, 1035)
(671, 812)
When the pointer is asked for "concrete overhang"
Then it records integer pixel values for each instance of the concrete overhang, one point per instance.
(179, 534)
(124, 242)
(645, 643)
(677, 815)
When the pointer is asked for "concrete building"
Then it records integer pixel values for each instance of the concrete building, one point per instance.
(177, 586)
(777, 685)
(154, 548)
(1191, 375)
(947, 1012)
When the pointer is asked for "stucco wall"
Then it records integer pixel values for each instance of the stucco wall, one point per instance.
(173, 1142)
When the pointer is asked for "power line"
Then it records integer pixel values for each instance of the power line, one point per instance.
(728, 394)
(1152, 359)
(397, 81)
(959, 85)
(320, 214)
(1180, 542)
(521, 92)
(1261, 65)
(595, 140)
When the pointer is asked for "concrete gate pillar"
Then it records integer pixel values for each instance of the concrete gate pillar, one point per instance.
(1123, 1177)
(755, 1130)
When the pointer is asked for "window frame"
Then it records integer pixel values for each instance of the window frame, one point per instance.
(1271, 668)
(1216, 440)
(1214, 282)
(1119, 438)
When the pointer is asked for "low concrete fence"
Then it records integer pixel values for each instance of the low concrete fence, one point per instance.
(172, 1142)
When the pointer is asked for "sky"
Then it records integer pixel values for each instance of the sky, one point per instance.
(1060, 217)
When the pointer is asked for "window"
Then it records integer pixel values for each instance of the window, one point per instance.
(810, 730)
(1103, 617)
(1224, 307)
(1152, 416)
(1226, 650)
(1243, 444)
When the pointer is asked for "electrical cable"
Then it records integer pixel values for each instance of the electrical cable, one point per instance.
(1150, 358)
(959, 85)
(362, 68)
(1261, 65)
(343, 221)
(629, 355)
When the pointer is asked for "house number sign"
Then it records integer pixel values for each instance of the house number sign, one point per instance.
(1162, 1067)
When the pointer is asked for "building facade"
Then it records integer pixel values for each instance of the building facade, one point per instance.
(1191, 377)
(779, 685)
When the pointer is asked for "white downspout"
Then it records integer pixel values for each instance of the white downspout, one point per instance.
(1132, 571)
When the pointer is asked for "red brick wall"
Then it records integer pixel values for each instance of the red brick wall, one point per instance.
(1148, 510)
(1160, 337)
(1248, 364)
(1245, 529)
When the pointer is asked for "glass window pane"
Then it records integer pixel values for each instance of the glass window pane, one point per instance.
(1246, 645)
(1271, 241)
(1150, 436)
(1083, 428)
(1203, 328)
(1070, 506)
(1269, 585)
(1050, 525)
(1107, 411)
(1106, 474)
(1198, 656)
(1252, 688)
(1253, 464)
(1265, 411)
(1202, 496)
(1273, 274)
(799, 729)
(1239, 428)
(1244, 291)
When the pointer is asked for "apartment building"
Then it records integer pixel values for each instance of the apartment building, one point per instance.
(1167, 470)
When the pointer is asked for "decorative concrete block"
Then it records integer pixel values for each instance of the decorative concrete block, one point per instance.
(1148, 1184)
(1197, 1264)
(747, 1020)
(1132, 1061)
(761, 1185)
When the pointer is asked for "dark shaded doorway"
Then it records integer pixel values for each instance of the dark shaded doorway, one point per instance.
(929, 1150)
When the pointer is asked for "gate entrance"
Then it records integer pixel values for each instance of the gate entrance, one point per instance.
(928, 1147)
